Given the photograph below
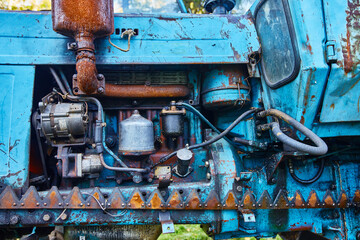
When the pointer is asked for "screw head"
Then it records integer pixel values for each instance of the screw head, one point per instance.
(208, 176)
(46, 217)
(101, 90)
(100, 77)
(14, 219)
(64, 217)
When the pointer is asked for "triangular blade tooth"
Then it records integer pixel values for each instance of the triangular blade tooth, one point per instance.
(116, 200)
(298, 200)
(136, 200)
(175, 200)
(193, 201)
(248, 201)
(313, 200)
(90, 202)
(8, 199)
(343, 200)
(74, 199)
(265, 201)
(31, 199)
(281, 201)
(212, 201)
(53, 198)
(356, 199)
(155, 201)
(230, 201)
(328, 200)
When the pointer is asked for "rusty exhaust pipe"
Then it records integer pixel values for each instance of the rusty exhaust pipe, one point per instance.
(84, 20)
(143, 91)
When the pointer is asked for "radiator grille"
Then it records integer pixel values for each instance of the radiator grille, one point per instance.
(141, 78)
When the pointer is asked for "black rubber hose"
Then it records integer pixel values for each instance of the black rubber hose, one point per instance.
(211, 141)
(204, 119)
(308, 181)
(320, 148)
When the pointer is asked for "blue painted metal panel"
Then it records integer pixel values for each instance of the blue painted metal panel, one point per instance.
(162, 39)
(16, 84)
(342, 100)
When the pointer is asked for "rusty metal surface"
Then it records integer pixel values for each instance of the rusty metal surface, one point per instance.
(84, 20)
(78, 199)
(93, 18)
(143, 91)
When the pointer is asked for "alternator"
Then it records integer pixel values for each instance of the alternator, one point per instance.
(64, 123)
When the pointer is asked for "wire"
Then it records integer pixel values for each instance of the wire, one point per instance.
(122, 213)
(307, 181)
(128, 32)
(211, 141)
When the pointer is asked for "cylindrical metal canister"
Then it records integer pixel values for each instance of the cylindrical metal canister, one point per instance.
(136, 136)
(172, 121)
(184, 157)
(226, 86)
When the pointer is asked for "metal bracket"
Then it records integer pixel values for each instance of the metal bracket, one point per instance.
(167, 224)
(175, 169)
(249, 219)
(271, 165)
(330, 49)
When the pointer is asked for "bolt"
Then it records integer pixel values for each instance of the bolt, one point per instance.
(118, 181)
(100, 77)
(273, 180)
(149, 180)
(208, 176)
(14, 219)
(110, 142)
(207, 164)
(46, 217)
(163, 193)
(100, 90)
(239, 188)
(72, 46)
(64, 217)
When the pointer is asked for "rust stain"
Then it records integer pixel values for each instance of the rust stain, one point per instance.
(199, 50)
(332, 106)
(350, 44)
(230, 202)
(193, 201)
(10, 175)
(236, 53)
(299, 202)
(313, 200)
(14, 145)
(328, 201)
(175, 200)
(155, 201)
(308, 46)
(136, 201)
(143, 91)
(343, 200)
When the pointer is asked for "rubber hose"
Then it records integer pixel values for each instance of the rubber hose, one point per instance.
(312, 180)
(321, 147)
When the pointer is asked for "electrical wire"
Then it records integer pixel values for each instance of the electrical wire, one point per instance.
(100, 126)
(307, 181)
(122, 213)
(211, 141)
